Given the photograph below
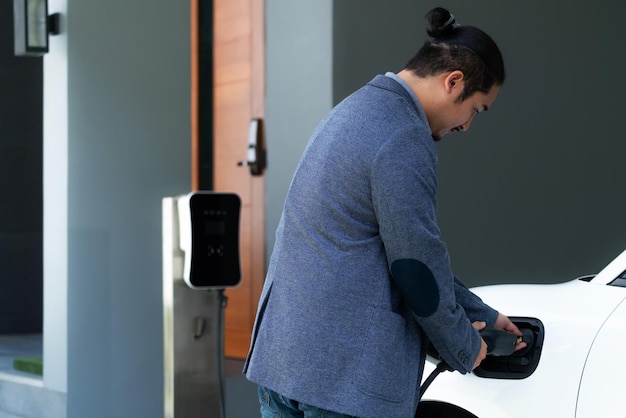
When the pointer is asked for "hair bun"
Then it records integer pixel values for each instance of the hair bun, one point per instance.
(440, 22)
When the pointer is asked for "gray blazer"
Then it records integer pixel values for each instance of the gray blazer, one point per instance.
(333, 330)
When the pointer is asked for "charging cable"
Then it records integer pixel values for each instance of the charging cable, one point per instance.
(499, 343)
(222, 300)
(441, 367)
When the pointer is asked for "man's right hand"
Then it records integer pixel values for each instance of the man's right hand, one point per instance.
(478, 325)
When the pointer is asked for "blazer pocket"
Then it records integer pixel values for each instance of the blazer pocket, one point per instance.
(382, 370)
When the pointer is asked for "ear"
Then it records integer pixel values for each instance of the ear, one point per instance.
(454, 81)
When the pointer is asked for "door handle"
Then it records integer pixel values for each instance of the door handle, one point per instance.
(256, 148)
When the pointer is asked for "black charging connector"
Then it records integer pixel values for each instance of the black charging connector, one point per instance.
(521, 363)
(499, 342)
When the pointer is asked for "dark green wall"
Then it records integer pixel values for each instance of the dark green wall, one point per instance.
(534, 191)
(21, 205)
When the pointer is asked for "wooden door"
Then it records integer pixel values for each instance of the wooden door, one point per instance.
(238, 99)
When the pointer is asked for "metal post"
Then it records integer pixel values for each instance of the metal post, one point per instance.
(190, 331)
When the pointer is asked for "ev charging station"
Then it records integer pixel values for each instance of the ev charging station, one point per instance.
(200, 260)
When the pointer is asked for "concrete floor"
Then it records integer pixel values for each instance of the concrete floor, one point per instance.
(18, 346)
(240, 395)
(18, 390)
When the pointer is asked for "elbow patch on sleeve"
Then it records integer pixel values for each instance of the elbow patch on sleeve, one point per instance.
(417, 284)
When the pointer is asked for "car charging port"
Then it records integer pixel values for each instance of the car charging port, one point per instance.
(518, 364)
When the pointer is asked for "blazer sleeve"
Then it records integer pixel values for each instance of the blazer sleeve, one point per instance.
(475, 308)
(403, 187)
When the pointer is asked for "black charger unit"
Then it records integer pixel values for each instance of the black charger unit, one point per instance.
(209, 237)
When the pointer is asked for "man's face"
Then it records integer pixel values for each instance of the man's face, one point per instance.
(458, 115)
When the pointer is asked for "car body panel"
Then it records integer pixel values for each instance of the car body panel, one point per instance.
(602, 387)
(612, 270)
(572, 314)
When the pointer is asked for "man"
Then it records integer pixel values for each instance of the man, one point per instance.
(359, 280)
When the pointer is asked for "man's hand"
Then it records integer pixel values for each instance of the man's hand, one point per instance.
(503, 322)
(483, 345)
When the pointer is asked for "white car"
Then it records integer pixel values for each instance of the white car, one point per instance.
(571, 369)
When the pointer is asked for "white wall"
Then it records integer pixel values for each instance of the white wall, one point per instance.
(117, 140)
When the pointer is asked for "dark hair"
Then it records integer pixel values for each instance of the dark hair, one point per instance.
(456, 47)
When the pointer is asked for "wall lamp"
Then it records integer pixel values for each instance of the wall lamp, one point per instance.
(32, 25)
